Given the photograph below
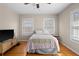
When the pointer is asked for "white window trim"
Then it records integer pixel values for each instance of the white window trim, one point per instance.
(32, 22)
(71, 20)
(28, 33)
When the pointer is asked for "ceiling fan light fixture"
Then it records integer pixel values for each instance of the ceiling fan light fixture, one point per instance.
(37, 5)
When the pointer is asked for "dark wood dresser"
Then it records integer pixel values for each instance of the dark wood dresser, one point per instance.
(58, 37)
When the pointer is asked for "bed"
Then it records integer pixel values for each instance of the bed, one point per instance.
(43, 44)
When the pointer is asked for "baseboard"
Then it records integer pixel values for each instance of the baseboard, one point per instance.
(70, 48)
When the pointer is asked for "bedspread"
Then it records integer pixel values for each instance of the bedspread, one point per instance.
(42, 42)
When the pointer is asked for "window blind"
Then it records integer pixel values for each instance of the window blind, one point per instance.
(75, 26)
(49, 25)
(27, 26)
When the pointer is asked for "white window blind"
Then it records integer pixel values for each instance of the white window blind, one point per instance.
(27, 26)
(49, 25)
(75, 26)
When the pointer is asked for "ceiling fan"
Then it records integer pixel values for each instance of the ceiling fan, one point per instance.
(37, 4)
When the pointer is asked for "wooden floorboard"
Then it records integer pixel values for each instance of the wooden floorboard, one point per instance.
(20, 50)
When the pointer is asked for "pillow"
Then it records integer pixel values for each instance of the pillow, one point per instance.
(45, 32)
(39, 32)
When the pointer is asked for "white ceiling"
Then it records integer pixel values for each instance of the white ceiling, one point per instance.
(53, 8)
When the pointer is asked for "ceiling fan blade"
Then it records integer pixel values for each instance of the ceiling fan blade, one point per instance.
(48, 3)
(26, 3)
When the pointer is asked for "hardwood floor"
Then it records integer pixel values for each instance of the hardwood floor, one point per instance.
(20, 50)
(65, 51)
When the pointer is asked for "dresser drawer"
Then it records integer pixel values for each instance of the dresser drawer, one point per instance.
(6, 45)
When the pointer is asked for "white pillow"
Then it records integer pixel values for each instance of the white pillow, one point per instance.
(39, 32)
(45, 32)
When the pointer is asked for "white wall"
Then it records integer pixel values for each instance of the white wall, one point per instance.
(64, 28)
(9, 20)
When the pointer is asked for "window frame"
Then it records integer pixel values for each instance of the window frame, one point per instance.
(27, 20)
(52, 27)
(71, 23)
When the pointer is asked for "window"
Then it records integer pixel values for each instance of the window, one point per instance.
(75, 26)
(27, 26)
(49, 25)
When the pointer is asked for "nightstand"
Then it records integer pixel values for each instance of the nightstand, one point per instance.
(58, 37)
